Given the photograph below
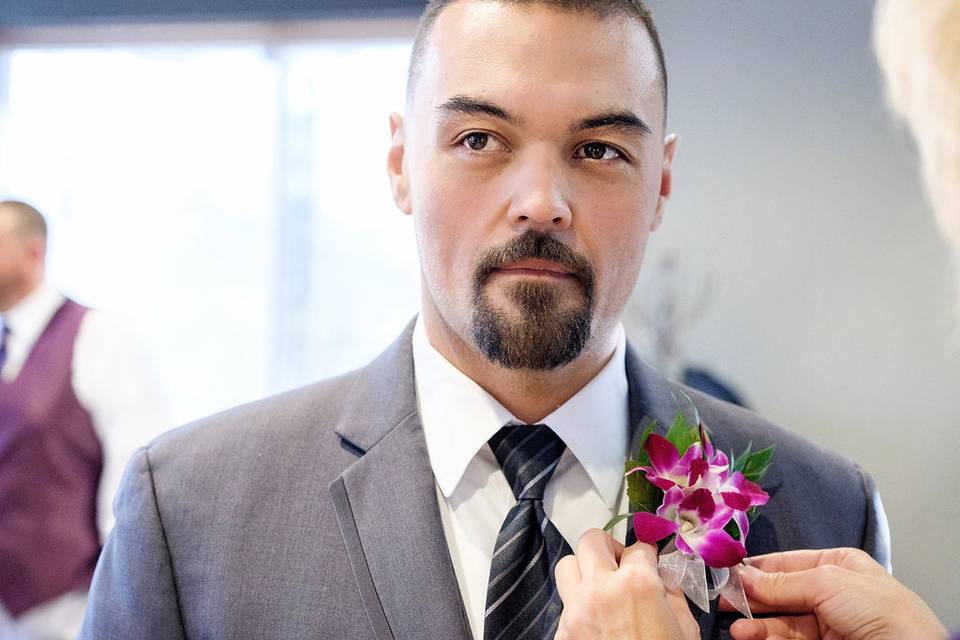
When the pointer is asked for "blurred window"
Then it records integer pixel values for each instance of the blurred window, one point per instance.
(230, 201)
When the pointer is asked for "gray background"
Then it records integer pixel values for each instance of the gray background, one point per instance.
(835, 307)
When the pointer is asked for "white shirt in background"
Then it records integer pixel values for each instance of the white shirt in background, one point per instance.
(458, 419)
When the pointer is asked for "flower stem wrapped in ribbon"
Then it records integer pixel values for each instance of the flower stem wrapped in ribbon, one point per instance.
(681, 486)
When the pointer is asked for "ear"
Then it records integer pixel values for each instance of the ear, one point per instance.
(666, 178)
(395, 166)
(36, 250)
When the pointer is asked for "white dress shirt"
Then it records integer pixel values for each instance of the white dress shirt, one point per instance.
(458, 419)
(113, 381)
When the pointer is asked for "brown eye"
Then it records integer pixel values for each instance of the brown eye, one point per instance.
(595, 150)
(481, 143)
(598, 151)
(477, 141)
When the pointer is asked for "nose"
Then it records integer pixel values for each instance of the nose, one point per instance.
(539, 199)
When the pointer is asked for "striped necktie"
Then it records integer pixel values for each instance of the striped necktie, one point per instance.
(522, 598)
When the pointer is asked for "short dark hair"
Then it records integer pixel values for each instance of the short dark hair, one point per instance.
(29, 220)
(636, 9)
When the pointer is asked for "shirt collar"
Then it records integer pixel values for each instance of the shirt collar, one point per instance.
(32, 314)
(459, 417)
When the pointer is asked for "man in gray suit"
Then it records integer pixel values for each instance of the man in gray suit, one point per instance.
(534, 162)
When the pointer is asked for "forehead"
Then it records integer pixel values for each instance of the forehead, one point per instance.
(8, 220)
(533, 56)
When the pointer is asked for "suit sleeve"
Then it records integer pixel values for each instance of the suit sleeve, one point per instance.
(876, 531)
(134, 593)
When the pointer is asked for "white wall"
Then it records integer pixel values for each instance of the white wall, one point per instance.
(833, 309)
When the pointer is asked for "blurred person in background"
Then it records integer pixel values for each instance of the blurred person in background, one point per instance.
(918, 47)
(76, 399)
(842, 591)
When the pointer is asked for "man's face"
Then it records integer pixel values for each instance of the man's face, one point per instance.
(534, 163)
(16, 259)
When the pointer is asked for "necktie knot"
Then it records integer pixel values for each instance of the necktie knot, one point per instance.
(528, 456)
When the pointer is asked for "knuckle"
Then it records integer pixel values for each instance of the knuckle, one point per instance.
(793, 625)
(776, 579)
(596, 597)
(641, 582)
(590, 536)
(859, 558)
(778, 583)
(562, 632)
(575, 621)
(830, 572)
(852, 553)
(830, 577)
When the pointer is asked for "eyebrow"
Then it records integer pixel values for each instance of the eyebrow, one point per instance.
(623, 120)
(476, 106)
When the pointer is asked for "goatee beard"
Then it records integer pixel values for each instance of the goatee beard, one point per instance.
(542, 336)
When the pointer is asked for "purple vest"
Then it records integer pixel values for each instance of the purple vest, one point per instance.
(50, 463)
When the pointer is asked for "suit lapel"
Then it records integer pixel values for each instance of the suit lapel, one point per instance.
(386, 505)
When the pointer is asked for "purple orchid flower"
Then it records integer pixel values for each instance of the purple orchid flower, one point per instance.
(698, 520)
(667, 469)
(713, 473)
(701, 467)
(741, 494)
(701, 497)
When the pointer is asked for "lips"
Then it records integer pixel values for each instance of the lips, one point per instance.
(534, 257)
(535, 267)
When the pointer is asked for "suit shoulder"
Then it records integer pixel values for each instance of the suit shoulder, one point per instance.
(818, 499)
(734, 428)
(290, 419)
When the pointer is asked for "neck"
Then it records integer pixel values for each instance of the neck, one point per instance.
(529, 395)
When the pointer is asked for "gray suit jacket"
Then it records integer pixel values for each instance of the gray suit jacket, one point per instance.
(313, 514)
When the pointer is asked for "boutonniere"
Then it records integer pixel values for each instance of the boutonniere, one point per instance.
(683, 490)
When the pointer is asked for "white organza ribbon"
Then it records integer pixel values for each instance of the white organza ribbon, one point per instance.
(688, 574)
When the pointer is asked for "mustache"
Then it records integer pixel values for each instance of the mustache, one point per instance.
(538, 246)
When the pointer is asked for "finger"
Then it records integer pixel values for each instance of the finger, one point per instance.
(798, 592)
(638, 568)
(755, 605)
(618, 548)
(640, 554)
(796, 628)
(681, 612)
(803, 559)
(561, 633)
(597, 552)
(567, 574)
